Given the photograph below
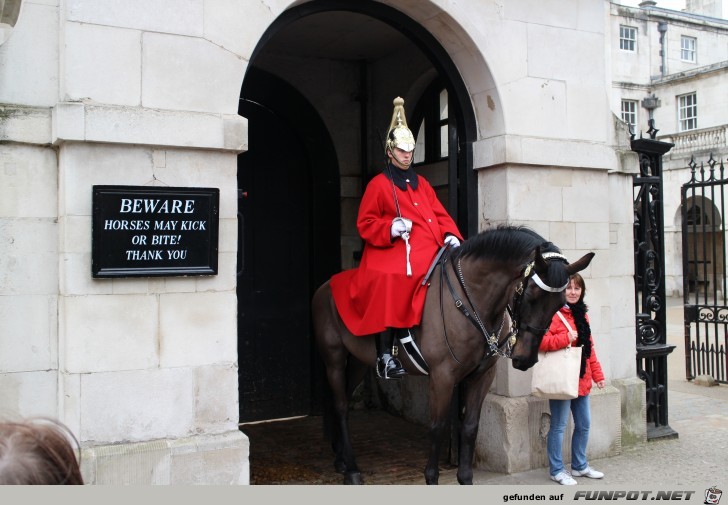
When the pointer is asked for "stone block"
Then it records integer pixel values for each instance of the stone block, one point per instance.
(164, 74)
(226, 278)
(505, 420)
(28, 333)
(215, 387)
(592, 236)
(218, 459)
(634, 410)
(204, 169)
(103, 64)
(241, 35)
(84, 165)
(563, 234)
(104, 333)
(31, 125)
(69, 122)
(25, 52)
(28, 256)
(235, 133)
(197, 329)
(584, 206)
(538, 108)
(148, 126)
(184, 17)
(28, 182)
(137, 405)
(222, 459)
(501, 445)
(29, 394)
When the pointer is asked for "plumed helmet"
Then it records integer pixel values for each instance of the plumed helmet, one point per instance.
(399, 135)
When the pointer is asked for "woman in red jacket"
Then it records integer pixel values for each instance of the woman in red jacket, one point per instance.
(574, 329)
(403, 225)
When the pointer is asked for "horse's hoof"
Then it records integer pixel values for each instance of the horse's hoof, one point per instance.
(432, 481)
(353, 478)
(340, 466)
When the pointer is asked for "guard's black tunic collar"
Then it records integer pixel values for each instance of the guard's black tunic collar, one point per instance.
(401, 177)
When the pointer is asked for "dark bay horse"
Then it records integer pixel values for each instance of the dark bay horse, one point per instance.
(503, 274)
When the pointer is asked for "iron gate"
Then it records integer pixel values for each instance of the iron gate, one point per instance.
(704, 271)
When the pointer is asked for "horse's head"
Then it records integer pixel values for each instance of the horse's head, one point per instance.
(539, 295)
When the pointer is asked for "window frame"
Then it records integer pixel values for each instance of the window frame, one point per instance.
(691, 52)
(427, 115)
(626, 43)
(687, 113)
(633, 112)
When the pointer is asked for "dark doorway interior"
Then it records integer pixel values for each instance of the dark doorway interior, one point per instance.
(285, 218)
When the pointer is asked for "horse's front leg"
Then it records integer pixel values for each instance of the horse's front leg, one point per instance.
(440, 398)
(475, 389)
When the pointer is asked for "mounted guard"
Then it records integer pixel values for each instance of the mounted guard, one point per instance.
(403, 225)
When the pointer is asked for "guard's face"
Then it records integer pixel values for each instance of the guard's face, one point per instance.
(400, 158)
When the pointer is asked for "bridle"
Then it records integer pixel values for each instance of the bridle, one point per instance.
(493, 345)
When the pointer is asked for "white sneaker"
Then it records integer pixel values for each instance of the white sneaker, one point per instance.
(564, 478)
(587, 472)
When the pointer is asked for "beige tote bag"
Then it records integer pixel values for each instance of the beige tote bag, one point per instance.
(556, 375)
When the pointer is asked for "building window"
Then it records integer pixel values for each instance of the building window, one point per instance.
(431, 125)
(687, 112)
(629, 112)
(687, 48)
(627, 38)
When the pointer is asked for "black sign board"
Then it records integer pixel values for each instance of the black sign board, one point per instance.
(151, 231)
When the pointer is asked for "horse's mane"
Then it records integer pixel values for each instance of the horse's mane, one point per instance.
(506, 243)
(513, 244)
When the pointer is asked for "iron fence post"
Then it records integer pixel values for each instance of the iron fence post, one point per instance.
(650, 297)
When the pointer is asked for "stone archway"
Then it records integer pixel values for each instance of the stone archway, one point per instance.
(339, 57)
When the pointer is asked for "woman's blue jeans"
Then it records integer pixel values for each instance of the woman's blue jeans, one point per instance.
(579, 408)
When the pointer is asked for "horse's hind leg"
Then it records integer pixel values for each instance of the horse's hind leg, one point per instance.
(476, 388)
(328, 332)
(345, 461)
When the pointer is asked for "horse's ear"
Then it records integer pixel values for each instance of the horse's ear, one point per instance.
(540, 263)
(580, 264)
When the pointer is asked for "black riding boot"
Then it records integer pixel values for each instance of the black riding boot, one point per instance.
(388, 366)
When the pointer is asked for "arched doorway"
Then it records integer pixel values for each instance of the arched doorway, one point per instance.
(345, 61)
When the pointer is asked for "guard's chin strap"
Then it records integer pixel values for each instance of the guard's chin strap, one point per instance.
(400, 161)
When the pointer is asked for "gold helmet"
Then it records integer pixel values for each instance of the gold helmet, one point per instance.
(399, 135)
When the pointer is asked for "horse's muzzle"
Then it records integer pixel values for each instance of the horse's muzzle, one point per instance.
(522, 364)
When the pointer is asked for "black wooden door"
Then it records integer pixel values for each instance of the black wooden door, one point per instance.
(274, 348)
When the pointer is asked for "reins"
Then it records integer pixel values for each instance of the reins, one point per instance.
(493, 346)
(491, 339)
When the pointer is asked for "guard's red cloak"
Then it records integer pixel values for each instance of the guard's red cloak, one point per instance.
(379, 294)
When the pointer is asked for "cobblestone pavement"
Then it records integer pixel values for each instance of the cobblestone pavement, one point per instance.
(293, 451)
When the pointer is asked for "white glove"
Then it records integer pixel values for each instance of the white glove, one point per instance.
(452, 241)
(398, 228)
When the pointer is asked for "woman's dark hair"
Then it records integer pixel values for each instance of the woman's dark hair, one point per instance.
(38, 452)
